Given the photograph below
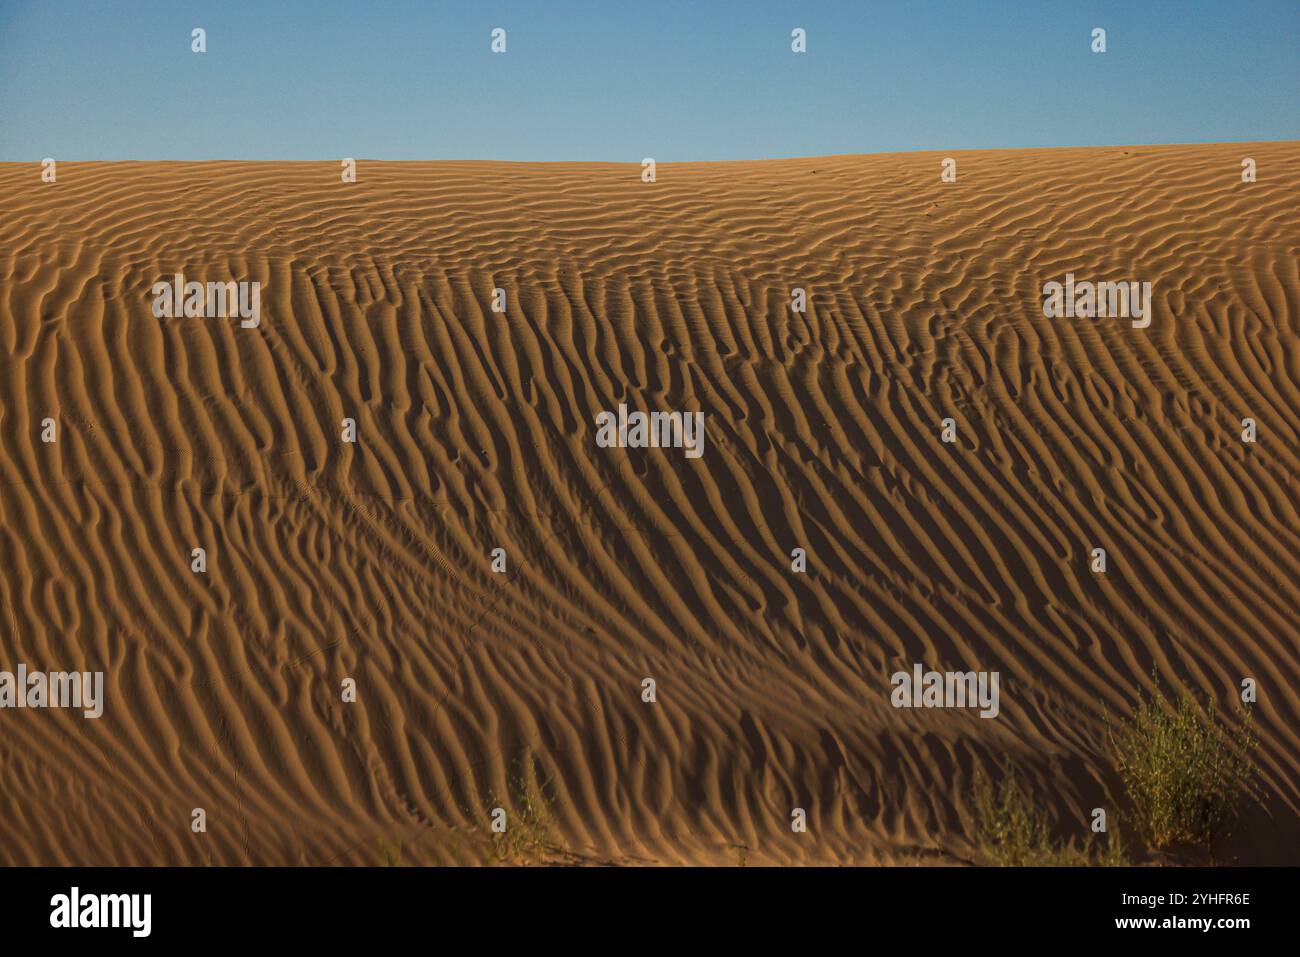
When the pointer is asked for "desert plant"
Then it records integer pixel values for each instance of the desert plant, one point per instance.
(1184, 772)
(391, 852)
(1009, 830)
(1012, 831)
(527, 837)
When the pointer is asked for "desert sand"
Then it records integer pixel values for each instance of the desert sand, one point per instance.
(372, 560)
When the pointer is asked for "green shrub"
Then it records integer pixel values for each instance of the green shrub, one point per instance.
(1185, 773)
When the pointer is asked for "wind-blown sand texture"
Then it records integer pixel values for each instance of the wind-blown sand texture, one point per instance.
(476, 431)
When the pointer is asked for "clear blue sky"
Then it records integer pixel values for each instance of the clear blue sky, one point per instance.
(618, 80)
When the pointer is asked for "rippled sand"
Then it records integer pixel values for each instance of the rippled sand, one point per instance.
(476, 431)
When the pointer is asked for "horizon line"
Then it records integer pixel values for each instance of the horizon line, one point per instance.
(674, 162)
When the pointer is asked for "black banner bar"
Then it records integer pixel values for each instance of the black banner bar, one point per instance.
(603, 907)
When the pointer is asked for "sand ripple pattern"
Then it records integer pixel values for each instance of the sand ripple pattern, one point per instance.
(476, 431)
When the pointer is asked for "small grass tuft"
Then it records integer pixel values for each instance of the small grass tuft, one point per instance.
(1012, 831)
(529, 822)
(390, 852)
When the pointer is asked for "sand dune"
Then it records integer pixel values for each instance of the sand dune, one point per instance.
(329, 560)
